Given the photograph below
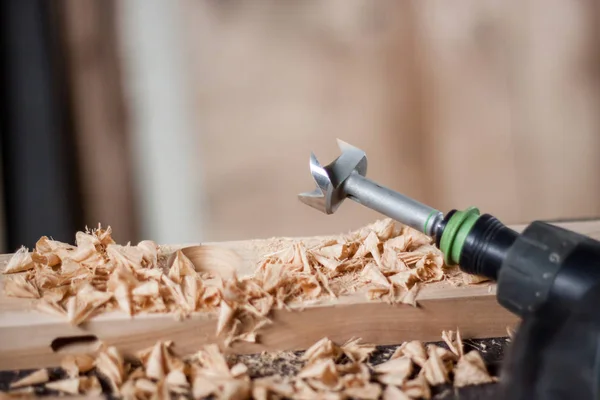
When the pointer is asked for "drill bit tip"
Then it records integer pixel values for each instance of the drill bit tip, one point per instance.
(329, 179)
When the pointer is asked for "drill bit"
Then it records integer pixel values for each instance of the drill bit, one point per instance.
(345, 177)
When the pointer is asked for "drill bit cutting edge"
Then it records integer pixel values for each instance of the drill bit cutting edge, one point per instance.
(346, 177)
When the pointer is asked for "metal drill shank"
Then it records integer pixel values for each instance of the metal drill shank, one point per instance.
(390, 203)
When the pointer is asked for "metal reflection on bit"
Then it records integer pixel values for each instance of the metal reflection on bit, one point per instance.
(345, 177)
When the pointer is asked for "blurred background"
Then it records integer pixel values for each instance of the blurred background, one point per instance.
(187, 121)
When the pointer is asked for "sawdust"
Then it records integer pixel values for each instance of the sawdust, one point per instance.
(283, 363)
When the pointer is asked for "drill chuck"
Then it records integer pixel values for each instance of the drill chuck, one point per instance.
(479, 244)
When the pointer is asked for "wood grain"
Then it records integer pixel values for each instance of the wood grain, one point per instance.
(26, 335)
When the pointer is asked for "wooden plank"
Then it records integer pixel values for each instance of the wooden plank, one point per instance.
(26, 335)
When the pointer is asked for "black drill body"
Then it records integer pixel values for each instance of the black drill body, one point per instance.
(550, 277)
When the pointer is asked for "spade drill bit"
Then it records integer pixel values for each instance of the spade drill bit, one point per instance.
(346, 177)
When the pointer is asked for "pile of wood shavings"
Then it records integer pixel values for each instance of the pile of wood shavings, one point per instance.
(385, 261)
(98, 275)
(328, 371)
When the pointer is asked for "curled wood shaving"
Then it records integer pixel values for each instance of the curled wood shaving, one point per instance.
(417, 388)
(394, 372)
(454, 342)
(444, 354)
(70, 385)
(471, 370)
(272, 386)
(392, 392)
(51, 307)
(413, 350)
(35, 378)
(87, 300)
(363, 391)
(470, 279)
(356, 351)
(90, 385)
(434, 369)
(20, 261)
(156, 363)
(18, 286)
(323, 349)
(213, 375)
(111, 365)
(510, 333)
(25, 393)
(76, 364)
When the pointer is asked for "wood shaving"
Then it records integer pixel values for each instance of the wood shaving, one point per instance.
(272, 386)
(392, 392)
(470, 279)
(434, 369)
(471, 370)
(413, 350)
(510, 333)
(20, 261)
(323, 349)
(356, 351)
(110, 364)
(90, 385)
(26, 393)
(454, 342)
(444, 354)
(417, 388)
(76, 364)
(35, 378)
(70, 385)
(18, 286)
(51, 308)
(394, 372)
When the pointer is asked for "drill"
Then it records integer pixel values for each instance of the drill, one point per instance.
(547, 275)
